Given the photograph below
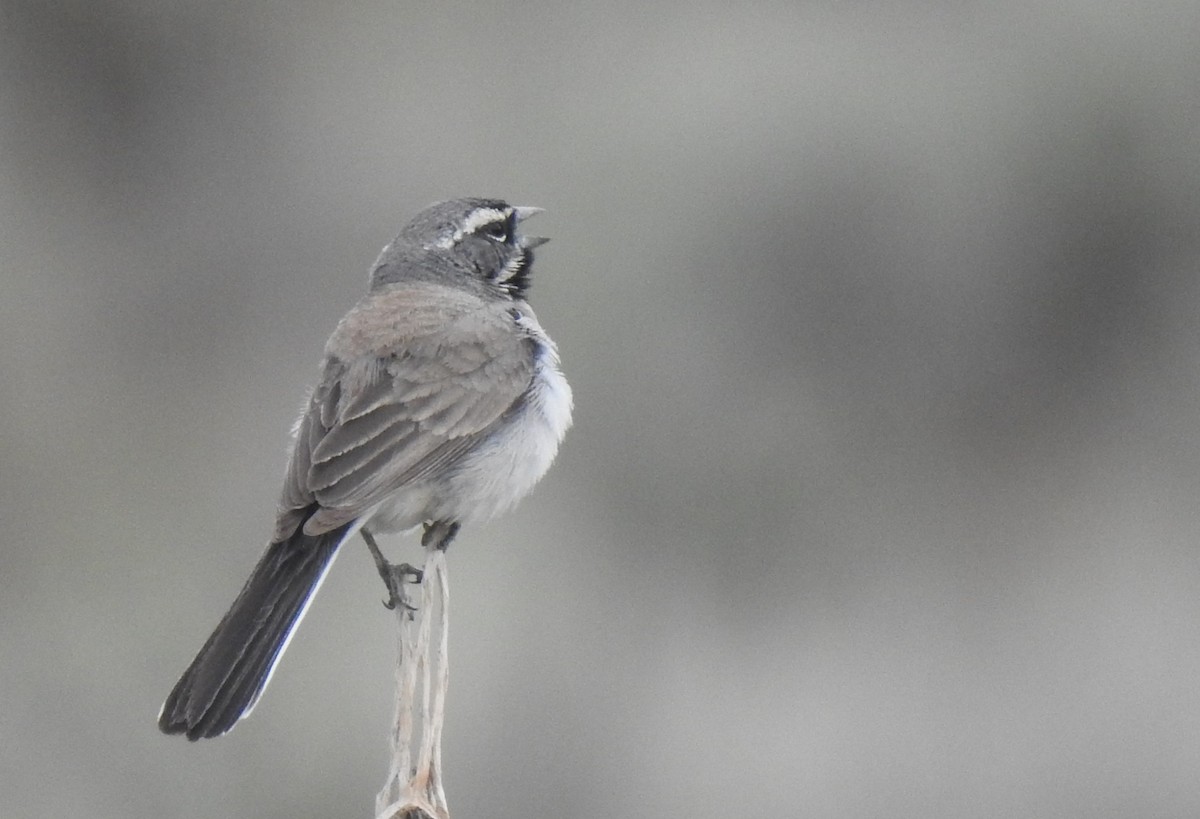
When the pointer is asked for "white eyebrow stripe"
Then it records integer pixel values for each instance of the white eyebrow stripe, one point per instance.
(480, 217)
(474, 221)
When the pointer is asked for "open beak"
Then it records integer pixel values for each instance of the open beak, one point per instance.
(529, 242)
(524, 213)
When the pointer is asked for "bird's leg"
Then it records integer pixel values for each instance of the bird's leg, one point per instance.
(394, 575)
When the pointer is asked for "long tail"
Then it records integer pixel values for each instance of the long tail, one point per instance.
(229, 674)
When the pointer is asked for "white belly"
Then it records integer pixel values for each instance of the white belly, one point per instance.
(501, 469)
(501, 472)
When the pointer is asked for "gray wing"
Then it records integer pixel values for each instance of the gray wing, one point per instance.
(412, 378)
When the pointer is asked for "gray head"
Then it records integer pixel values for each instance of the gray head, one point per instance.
(472, 241)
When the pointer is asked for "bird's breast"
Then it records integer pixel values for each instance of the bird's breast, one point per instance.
(508, 463)
(502, 467)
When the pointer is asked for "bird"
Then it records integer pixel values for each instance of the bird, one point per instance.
(440, 403)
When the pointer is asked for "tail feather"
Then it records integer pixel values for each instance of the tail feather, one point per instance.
(229, 674)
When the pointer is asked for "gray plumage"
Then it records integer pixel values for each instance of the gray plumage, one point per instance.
(440, 401)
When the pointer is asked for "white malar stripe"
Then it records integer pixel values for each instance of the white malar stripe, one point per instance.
(511, 267)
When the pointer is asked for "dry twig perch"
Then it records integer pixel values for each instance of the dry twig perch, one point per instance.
(417, 792)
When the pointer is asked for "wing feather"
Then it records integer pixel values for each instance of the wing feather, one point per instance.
(413, 377)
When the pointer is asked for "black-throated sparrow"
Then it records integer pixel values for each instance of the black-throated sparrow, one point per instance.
(440, 402)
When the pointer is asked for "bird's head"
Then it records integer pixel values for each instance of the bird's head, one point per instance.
(475, 239)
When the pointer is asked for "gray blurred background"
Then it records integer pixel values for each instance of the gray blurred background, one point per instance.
(881, 318)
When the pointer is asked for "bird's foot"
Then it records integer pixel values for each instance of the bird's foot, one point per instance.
(396, 576)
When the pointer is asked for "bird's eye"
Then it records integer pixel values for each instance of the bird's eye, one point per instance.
(496, 230)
